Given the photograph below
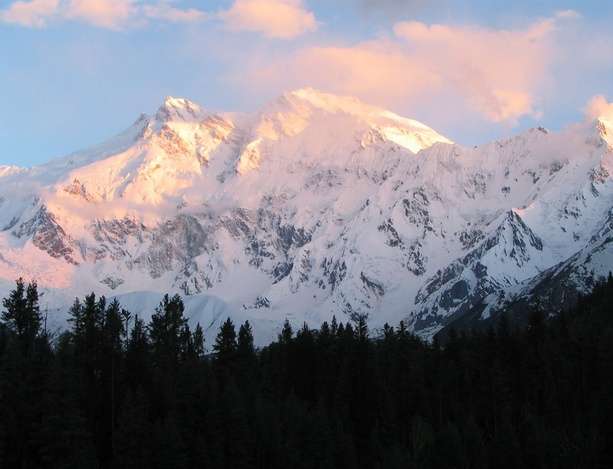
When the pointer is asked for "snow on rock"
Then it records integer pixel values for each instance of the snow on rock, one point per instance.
(317, 205)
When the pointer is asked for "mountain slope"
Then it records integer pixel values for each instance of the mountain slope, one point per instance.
(317, 205)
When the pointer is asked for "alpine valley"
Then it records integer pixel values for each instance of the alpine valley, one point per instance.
(318, 205)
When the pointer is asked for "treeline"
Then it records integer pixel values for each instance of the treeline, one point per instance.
(114, 392)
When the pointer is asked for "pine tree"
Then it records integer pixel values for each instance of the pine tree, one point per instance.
(239, 445)
(165, 329)
(245, 347)
(422, 440)
(3, 459)
(22, 313)
(114, 326)
(246, 356)
(448, 450)
(198, 342)
(23, 368)
(112, 349)
(132, 440)
(168, 448)
(137, 357)
(75, 316)
(214, 427)
(334, 326)
(169, 337)
(474, 446)
(361, 326)
(225, 347)
(286, 333)
(62, 436)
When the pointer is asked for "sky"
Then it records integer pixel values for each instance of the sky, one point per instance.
(75, 72)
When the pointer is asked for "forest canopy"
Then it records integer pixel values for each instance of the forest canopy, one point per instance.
(116, 392)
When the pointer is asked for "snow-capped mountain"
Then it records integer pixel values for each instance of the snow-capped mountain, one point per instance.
(316, 206)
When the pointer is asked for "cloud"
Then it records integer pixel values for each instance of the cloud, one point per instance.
(32, 14)
(373, 70)
(109, 14)
(165, 11)
(599, 108)
(570, 14)
(496, 73)
(393, 8)
(281, 19)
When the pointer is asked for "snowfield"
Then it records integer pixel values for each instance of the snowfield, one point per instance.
(318, 205)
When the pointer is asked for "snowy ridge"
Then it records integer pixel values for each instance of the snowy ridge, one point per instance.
(318, 205)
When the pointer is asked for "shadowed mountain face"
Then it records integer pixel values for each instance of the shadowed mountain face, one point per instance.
(316, 206)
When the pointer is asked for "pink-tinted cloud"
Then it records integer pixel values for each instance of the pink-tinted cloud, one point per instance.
(109, 14)
(375, 70)
(112, 14)
(599, 107)
(281, 19)
(32, 14)
(496, 73)
(165, 11)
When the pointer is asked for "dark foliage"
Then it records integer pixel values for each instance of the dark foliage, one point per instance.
(114, 392)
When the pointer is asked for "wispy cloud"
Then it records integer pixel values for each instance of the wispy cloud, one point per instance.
(280, 19)
(570, 14)
(495, 72)
(108, 14)
(277, 19)
(112, 14)
(167, 12)
(32, 14)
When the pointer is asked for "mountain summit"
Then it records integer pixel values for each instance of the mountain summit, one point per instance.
(179, 109)
(317, 205)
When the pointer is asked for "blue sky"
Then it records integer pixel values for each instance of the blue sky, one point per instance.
(74, 72)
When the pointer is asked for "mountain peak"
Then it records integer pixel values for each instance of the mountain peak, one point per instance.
(333, 103)
(179, 109)
(329, 101)
(327, 203)
(304, 102)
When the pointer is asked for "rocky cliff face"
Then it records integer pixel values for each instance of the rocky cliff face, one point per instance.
(316, 206)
